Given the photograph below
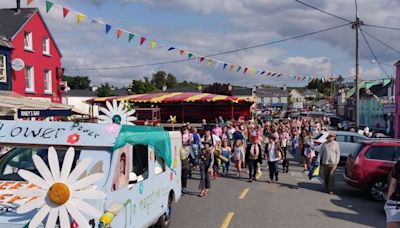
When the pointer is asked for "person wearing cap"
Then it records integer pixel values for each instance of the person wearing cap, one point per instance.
(329, 158)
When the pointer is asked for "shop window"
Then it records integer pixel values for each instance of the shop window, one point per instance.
(159, 165)
(46, 46)
(28, 41)
(29, 79)
(47, 82)
(3, 69)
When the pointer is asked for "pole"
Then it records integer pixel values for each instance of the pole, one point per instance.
(356, 26)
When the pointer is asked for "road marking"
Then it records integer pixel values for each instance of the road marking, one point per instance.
(258, 176)
(244, 193)
(227, 220)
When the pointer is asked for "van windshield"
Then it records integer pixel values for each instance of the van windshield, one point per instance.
(21, 158)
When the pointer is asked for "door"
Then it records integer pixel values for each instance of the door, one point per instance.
(379, 161)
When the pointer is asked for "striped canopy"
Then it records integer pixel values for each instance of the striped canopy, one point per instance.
(176, 97)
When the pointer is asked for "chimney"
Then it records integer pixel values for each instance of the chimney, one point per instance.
(18, 5)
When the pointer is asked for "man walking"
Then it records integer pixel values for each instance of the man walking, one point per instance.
(252, 154)
(329, 158)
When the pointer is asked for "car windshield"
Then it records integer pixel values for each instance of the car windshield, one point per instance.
(318, 136)
(21, 158)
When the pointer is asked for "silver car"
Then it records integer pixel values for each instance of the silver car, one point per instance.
(348, 141)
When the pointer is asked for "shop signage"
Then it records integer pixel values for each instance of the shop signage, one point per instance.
(26, 113)
(17, 64)
(388, 108)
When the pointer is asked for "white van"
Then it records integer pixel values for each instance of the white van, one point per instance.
(63, 174)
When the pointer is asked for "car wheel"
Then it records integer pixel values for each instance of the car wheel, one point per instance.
(378, 189)
(165, 219)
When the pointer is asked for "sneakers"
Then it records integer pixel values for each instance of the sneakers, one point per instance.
(250, 180)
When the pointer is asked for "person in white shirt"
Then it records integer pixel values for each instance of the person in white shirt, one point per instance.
(273, 153)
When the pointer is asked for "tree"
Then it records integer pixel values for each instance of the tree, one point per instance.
(77, 82)
(159, 79)
(140, 87)
(170, 81)
(105, 91)
(218, 88)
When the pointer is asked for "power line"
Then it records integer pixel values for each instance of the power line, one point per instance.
(373, 53)
(211, 55)
(382, 27)
(382, 42)
(323, 11)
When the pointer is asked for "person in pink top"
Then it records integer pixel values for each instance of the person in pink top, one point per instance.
(217, 130)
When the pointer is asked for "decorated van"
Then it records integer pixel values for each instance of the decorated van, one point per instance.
(69, 174)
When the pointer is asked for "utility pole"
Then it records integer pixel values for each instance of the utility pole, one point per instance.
(356, 25)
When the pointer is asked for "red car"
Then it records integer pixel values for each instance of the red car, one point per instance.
(369, 167)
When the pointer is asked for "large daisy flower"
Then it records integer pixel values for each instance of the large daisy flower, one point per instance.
(60, 194)
(117, 114)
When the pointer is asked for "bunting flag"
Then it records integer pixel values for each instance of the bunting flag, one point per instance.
(153, 44)
(65, 12)
(130, 37)
(120, 32)
(48, 6)
(108, 28)
(142, 40)
(80, 17)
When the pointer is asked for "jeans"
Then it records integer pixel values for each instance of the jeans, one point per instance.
(185, 172)
(205, 182)
(252, 168)
(273, 170)
(329, 177)
(225, 167)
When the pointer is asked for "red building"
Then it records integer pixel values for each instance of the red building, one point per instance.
(35, 57)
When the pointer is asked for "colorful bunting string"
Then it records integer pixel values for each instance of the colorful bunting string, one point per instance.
(199, 58)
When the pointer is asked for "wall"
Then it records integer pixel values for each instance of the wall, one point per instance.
(79, 103)
(36, 59)
(371, 114)
(7, 86)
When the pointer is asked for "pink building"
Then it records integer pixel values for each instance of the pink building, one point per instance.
(397, 97)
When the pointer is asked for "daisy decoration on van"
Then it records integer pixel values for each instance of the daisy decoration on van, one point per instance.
(61, 193)
(117, 114)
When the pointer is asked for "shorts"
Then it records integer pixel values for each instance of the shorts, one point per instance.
(392, 213)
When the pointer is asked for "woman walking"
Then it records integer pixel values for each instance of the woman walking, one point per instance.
(273, 153)
(226, 152)
(238, 156)
(206, 164)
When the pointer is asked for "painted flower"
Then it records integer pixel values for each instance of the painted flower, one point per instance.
(73, 138)
(60, 195)
(112, 128)
(116, 114)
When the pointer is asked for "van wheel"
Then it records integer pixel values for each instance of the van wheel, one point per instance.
(377, 189)
(165, 219)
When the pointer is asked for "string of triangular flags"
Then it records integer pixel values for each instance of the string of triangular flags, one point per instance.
(142, 40)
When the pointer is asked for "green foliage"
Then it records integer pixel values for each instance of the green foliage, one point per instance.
(170, 81)
(218, 88)
(104, 91)
(142, 86)
(77, 82)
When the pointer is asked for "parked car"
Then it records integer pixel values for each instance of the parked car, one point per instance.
(348, 142)
(335, 120)
(370, 165)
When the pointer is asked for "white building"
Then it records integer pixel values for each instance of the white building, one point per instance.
(78, 99)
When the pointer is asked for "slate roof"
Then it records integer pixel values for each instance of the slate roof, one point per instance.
(80, 93)
(13, 20)
(242, 91)
(4, 42)
(271, 92)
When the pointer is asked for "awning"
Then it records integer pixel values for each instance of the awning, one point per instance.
(10, 102)
(176, 97)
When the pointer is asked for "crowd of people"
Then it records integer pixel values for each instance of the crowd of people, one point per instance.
(247, 144)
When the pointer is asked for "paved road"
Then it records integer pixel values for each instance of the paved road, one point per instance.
(294, 202)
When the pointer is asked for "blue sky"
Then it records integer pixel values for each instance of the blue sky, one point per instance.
(209, 26)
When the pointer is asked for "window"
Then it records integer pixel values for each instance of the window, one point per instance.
(140, 162)
(29, 79)
(159, 165)
(46, 46)
(28, 41)
(341, 138)
(385, 153)
(3, 69)
(47, 82)
(21, 158)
